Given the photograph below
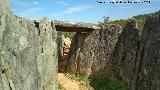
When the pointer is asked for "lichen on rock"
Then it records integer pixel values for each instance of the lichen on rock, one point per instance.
(28, 56)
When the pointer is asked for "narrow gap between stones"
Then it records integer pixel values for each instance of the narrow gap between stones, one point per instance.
(65, 36)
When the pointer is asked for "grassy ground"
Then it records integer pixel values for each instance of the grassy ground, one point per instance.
(103, 83)
(69, 82)
(98, 83)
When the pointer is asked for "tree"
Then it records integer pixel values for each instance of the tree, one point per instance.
(106, 19)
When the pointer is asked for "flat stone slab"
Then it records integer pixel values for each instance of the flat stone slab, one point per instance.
(67, 26)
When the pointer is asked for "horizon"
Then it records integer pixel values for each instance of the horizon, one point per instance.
(89, 11)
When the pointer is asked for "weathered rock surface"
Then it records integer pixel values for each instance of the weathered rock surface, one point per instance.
(75, 27)
(28, 53)
(125, 55)
(90, 52)
(149, 60)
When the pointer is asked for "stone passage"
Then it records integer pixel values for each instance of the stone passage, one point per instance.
(65, 43)
(29, 55)
(28, 50)
(65, 46)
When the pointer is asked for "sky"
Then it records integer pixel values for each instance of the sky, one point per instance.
(89, 11)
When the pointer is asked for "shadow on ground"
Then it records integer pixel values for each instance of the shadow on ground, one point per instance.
(103, 83)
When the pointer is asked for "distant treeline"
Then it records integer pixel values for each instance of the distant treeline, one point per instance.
(145, 15)
(139, 18)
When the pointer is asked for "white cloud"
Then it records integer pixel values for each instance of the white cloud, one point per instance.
(19, 2)
(62, 3)
(35, 2)
(147, 9)
(75, 9)
(65, 4)
(155, 1)
(151, 9)
(34, 10)
(71, 10)
(30, 11)
(23, 2)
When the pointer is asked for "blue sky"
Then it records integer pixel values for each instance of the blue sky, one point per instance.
(80, 10)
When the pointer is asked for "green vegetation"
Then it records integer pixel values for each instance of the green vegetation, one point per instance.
(139, 18)
(98, 83)
(81, 78)
(66, 34)
(103, 83)
(123, 22)
(60, 87)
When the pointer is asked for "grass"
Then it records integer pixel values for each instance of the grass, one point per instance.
(98, 83)
(103, 83)
(60, 87)
(66, 34)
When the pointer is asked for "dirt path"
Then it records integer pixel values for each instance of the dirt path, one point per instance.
(70, 84)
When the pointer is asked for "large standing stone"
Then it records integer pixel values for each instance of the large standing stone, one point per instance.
(149, 60)
(28, 53)
(90, 52)
(125, 55)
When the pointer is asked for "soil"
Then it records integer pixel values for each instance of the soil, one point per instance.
(70, 84)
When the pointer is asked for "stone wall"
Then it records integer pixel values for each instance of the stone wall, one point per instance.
(127, 55)
(28, 53)
(90, 52)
